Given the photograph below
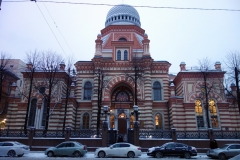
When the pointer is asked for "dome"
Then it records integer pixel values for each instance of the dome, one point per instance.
(122, 14)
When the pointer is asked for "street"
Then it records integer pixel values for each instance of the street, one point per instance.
(90, 155)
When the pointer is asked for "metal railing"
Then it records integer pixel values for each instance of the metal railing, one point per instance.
(83, 133)
(147, 133)
(143, 133)
(192, 134)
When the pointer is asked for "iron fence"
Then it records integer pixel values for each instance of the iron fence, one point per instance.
(147, 133)
(192, 134)
(13, 133)
(85, 133)
(49, 133)
(226, 134)
(143, 133)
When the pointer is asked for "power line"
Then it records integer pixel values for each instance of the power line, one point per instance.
(51, 29)
(156, 7)
(58, 29)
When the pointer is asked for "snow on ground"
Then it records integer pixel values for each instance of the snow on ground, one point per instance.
(39, 154)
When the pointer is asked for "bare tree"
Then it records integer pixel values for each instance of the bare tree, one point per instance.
(232, 62)
(32, 59)
(205, 66)
(102, 83)
(50, 67)
(137, 74)
(67, 89)
(211, 83)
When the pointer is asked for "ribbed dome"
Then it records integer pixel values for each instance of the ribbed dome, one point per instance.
(122, 14)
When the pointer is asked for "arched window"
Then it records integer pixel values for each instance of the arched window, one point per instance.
(85, 124)
(213, 113)
(132, 121)
(44, 113)
(122, 53)
(158, 121)
(32, 113)
(157, 91)
(125, 55)
(122, 39)
(87, 91)
(118, 55)
(112, 121)
(199, 113)
(122, 97)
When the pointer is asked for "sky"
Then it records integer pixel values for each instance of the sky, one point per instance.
(70, 29)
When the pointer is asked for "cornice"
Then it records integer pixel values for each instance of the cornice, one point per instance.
(196, 75)
(122, 28)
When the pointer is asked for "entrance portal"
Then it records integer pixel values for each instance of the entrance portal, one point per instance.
(122, 124)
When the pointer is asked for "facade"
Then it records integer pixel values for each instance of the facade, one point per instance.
(123, 74)
(10, 81)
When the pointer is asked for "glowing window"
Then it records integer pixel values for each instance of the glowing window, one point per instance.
(213, 113)
(158, 121)
(199, 114)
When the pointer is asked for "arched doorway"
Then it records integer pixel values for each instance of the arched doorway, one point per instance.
(122, 123)
(121, 106)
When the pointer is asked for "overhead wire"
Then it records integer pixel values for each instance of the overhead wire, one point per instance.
(59, 30)
(157, 7)
(51, 30)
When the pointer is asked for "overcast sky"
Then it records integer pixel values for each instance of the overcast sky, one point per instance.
(176, 35)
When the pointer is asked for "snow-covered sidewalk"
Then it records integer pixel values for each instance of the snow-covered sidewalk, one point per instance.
(40, 154)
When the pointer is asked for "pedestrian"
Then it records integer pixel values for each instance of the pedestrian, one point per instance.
(215, 145)
(211, 144)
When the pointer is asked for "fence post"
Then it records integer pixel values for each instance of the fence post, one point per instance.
(210, 133)
(174, 135)
(136, 133)
(105, 134)
(68, 133)
(30, 137)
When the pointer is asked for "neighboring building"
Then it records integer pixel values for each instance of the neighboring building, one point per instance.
(8, 84)
(17, 66)
(130, 77)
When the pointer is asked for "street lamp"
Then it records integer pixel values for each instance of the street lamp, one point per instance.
(105, 110)
(136, 112)
(135, 109)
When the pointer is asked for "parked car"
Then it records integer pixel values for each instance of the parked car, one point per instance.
(119, 150)
(69, 148)
(226, 151)
(12, 149)
(172, 149)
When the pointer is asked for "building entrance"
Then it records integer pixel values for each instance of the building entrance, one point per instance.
(122, 102)
(122, 124)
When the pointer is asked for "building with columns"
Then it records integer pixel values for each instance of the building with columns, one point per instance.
(123, 74)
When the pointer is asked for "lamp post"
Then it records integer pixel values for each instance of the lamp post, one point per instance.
(105, 127)
(135, 109)
(136, 125)
(105, 110)
(136, 113)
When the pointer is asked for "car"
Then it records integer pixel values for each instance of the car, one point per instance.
(68, 148)
(13, 148)
(172, 149)
(224, 152)
(119, 150)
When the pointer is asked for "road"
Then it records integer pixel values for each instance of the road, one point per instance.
(90, 156)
